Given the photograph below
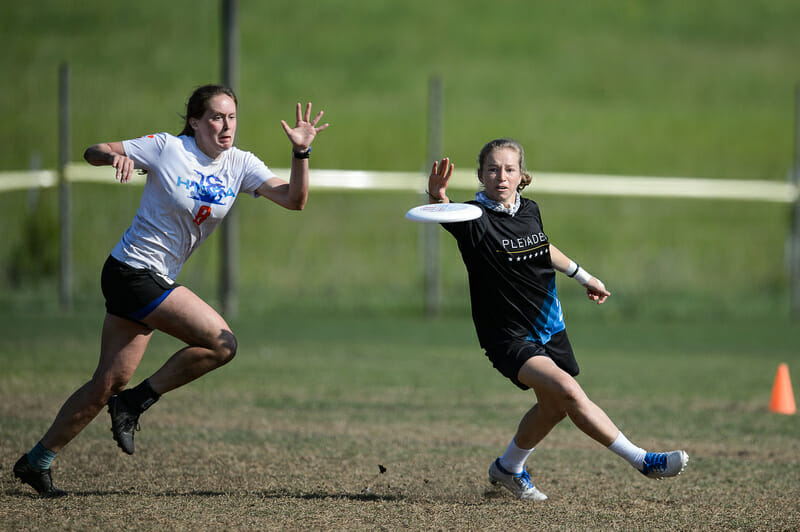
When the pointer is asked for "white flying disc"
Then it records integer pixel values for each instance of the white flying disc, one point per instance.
(444, 213)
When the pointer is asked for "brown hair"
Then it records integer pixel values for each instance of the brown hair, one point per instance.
(506, 143)
(198, 103)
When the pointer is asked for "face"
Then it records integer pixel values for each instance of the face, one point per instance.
(501, 175)
(215, 130)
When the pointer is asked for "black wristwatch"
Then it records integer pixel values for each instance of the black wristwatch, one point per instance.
(302, 154)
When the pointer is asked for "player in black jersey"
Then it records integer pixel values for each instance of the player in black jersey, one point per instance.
(511, 266)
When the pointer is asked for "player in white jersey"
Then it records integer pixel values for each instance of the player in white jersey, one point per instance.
(192, 181)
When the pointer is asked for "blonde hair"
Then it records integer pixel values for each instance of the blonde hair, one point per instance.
(497, 144)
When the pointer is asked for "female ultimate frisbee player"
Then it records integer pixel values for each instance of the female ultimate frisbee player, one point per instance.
(192, 182)
(511, 268)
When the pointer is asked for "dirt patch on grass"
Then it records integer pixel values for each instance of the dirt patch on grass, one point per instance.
(236, 472)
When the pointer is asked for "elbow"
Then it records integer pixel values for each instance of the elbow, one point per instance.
(297, 205)
(90, 155)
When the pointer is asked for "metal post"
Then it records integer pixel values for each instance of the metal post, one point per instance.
(229, 252)
(431, 232)
(64, 196)
(794, 259)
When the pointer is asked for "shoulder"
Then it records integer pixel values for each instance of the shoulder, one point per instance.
(471, 228)
(246, 162)
(529, 206)
(162, 137)
(147, 147)
(474, 202)
(483, 208)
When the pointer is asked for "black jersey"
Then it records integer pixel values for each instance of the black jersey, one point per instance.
(511, 278)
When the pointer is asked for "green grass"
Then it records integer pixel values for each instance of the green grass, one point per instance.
(652, 88)
(601, 87)
(338, 372)
(293, 431)
(354, 253)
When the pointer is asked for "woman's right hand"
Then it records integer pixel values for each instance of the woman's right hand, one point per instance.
(441, 172)
(111, 154)
(123, 165)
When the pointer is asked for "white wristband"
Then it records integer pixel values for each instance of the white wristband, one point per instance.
(572, 269)
(582, 276)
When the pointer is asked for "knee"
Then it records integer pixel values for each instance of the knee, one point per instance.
(570, 394)
(103, 386)
(562, 398)
(225, 347)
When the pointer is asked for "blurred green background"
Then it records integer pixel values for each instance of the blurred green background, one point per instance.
(617, 87)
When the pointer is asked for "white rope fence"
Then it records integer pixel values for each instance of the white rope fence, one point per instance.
(543, 182)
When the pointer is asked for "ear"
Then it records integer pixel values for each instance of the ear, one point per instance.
(193, 123)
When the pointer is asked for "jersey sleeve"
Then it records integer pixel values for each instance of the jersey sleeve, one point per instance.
(469, 232)
(145, 151)
(255, 174)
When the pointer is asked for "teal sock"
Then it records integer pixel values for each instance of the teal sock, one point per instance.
(40, 457)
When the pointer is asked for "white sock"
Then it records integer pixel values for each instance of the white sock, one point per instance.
(630, 452)
(513, 460)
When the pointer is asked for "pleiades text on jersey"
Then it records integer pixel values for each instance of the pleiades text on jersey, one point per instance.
(524, 242)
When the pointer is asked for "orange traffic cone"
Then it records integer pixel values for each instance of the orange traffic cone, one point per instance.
(782, 401)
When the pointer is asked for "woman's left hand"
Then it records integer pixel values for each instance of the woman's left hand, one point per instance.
(305, 130)
(596, 291)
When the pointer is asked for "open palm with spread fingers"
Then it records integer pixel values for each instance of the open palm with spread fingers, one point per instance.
(439, 179)
(303, 133)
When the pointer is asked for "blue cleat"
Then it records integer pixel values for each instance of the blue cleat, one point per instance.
(661, 465)
(519, 484)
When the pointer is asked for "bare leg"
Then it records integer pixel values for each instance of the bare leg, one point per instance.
(211, 343)
(182, 315)
(122, 346)
(559, 395)
(535, 425)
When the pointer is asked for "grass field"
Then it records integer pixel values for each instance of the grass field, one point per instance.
(294, 432)
(354, 252)
(610, 86)
(339, 376)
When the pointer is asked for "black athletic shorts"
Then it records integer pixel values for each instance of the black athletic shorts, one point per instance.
(510, 356)
(132, 293)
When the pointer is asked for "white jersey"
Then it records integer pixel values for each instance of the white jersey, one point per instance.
(186, 196)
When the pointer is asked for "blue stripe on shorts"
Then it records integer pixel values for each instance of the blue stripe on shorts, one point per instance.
(144, 311)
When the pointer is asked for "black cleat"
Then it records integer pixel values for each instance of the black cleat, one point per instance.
(124, 421)
(38, 479)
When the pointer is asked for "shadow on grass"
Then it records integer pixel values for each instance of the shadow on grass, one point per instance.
(286, 494)
(29, 494)
(365, 496)
(273, 494)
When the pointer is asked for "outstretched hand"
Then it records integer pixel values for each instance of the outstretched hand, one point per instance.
(303, 133)
(441, 172)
